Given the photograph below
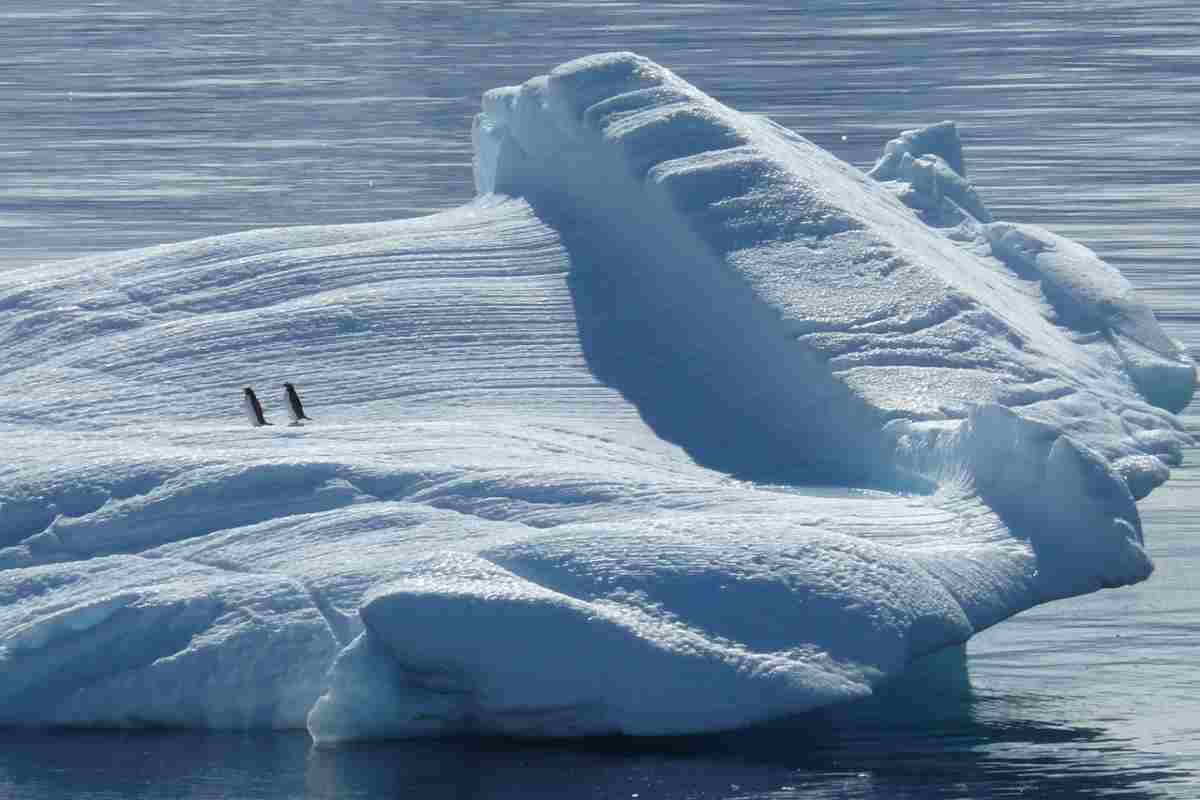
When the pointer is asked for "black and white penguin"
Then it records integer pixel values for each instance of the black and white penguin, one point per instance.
(294, 406)
(253, 408)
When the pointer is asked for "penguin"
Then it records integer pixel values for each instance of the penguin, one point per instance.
(253, 408)
(294, 406)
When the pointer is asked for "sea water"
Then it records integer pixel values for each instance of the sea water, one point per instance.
(144, 121)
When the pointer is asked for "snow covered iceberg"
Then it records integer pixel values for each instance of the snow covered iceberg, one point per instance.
(683, 424)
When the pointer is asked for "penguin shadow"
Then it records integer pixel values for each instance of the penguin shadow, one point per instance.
(253, 407)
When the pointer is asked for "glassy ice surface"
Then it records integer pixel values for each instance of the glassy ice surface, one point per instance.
(135, 124)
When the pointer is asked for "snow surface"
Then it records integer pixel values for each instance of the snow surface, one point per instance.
(586, 450)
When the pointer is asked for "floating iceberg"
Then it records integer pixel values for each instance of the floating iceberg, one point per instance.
(682, 425)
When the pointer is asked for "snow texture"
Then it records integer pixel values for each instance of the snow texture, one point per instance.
(683, 424)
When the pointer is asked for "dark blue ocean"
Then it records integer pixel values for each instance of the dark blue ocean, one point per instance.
(136, 122)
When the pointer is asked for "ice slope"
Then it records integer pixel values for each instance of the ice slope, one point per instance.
(583, 451)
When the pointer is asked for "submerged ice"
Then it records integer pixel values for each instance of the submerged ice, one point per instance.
(557, 481)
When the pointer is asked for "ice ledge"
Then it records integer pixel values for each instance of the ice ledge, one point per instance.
(865, 311)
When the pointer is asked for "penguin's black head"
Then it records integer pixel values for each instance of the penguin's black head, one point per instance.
(288, 386)
(247, 390)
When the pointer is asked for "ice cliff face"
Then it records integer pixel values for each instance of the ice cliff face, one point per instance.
(550, 489)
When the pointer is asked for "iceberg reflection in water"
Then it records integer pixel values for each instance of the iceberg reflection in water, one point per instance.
(963, 747)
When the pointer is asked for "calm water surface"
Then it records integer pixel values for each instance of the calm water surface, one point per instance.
(138, 122)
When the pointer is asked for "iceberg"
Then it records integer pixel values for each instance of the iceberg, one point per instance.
(681, 425)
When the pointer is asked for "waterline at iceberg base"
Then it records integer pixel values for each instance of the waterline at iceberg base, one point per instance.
(682, 425)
